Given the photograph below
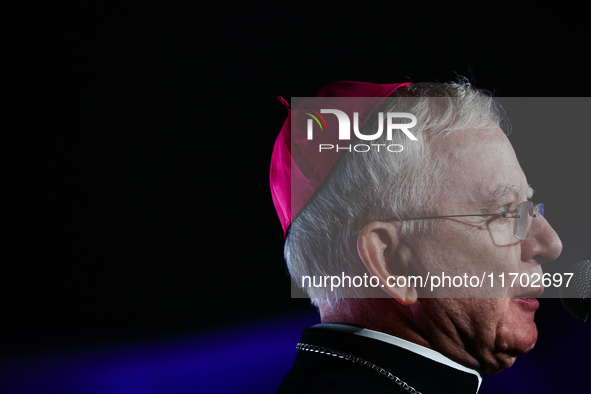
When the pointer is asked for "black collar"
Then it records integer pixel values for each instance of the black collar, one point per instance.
(425, 375)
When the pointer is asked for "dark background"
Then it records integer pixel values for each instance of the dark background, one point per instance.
(148, 213)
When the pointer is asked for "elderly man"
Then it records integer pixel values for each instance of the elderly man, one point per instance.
(445, 196)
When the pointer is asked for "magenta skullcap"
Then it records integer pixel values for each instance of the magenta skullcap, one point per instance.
(306, 168)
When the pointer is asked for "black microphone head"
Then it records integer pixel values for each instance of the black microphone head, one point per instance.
(576, 298)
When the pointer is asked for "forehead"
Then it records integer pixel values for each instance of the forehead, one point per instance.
(479, 167)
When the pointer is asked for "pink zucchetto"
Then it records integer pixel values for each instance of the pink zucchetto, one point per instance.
(297, 167)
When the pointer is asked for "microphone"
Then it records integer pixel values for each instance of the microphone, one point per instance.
(576, 298)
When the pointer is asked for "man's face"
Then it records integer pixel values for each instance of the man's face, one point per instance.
(481, 175)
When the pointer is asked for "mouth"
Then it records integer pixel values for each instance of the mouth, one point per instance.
(527, 303)
(528, 300)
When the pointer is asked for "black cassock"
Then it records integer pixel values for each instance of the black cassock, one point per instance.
(331, 361)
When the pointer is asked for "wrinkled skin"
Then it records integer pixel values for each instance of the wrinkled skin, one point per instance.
(485, 333)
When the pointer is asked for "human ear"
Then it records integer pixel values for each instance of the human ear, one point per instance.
(386, 257)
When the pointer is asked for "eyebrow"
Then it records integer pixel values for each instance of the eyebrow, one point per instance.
(504, 191)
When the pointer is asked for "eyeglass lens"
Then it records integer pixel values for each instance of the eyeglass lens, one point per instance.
(525, 211)
(522, 223)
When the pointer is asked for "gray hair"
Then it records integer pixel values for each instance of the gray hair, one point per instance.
(372, 186)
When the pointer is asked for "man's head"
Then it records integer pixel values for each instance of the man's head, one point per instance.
(462, 163)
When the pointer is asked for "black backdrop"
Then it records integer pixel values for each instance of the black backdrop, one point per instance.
(149, 212)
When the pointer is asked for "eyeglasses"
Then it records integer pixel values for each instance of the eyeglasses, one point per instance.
(523, 213)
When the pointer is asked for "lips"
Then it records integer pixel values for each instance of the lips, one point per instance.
(530, 304)
(528, 300)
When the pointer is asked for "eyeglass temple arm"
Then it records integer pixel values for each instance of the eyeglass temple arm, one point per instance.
(459, 216)
(505, 215)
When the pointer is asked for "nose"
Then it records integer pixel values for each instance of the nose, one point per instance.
(542, 244)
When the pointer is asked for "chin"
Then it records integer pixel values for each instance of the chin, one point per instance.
(507, 349)
(530, 342)
(515, 336)
(521, 322)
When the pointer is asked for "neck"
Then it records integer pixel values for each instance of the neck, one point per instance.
(390, 317)
(378, 314)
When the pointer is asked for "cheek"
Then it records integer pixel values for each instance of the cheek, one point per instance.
(473, 252)
(467, 248)
(501, 232)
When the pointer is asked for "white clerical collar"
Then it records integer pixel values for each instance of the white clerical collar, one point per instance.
(410, 346)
